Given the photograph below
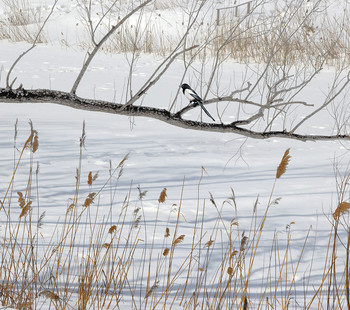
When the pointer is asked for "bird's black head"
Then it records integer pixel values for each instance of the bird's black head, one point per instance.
(185, 86)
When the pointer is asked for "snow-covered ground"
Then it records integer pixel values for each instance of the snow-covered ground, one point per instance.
(165, 156)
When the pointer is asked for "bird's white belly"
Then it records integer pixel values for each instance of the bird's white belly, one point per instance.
(188, 94)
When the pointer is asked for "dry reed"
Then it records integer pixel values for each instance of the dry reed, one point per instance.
(342, 208)
(281, 169)
(162, 196)
(89, 263)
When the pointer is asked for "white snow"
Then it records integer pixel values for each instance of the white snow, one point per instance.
(165, 156)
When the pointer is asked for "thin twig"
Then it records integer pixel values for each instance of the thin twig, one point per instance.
(8, 85)
(102, 41)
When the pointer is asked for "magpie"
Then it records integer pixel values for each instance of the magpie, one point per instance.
(193, 97)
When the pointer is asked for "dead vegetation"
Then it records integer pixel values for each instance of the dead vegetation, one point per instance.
(95, 260)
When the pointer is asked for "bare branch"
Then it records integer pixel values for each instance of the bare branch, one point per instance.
(167, 62)
(73, 101)
(170, 58)
(29, 49)
(270, 96)
(102, 41)
(325, 104)
(213, 100)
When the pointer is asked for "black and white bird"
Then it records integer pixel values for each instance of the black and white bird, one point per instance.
(193, 97)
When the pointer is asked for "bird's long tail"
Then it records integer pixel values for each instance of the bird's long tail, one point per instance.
(205, 110)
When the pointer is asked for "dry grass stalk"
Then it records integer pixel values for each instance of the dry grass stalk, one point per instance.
(166, 252)
(89, 200)
(233, 254)
(137, 221)
(26, 209)
(123, 160)
(21, 199)
(35, 144)
(142, 194)
(112, 229)
(283, 165)
(28, 143)
(41, 220)
(209, 243)
(25, 305)
(70, 208)
(178, 240)
(92, 178)
(95, 280)
(244, 242)
(49, 295)
(162, 196)
(341, 209)
(150, 291)
(234, 222)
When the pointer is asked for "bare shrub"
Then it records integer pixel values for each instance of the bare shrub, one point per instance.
(22, 22)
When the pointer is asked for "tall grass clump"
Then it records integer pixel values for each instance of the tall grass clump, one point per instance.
(22, 22)
(288, 33)
(152, 254)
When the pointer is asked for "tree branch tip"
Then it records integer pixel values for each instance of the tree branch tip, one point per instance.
(13, 82)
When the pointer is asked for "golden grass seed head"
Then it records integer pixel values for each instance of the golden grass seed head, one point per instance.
(35, 143)
(26, 209)
(166, 252)
(70, 208)
(123, 160)
(21, 199)
(209, 243)
(90, 178)
(112, 229)
(178, 240)
(162, 196)
(233, 254)
(89, 200)
(283, 164)
(341, 209)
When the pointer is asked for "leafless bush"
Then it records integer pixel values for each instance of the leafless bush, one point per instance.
(168, 4)
(22, 22)
(291, 45)
(20, 12)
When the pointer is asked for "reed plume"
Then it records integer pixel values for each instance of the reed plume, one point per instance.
(26, 209)
(112, 229)
(178, 240)
(162, 196)
(341, 209)
(166, 252)
(89, 200)
(283, 165)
